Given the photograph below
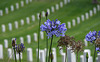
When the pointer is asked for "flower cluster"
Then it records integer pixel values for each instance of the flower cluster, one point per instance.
(53, 28)
(66, 41)
(98, 49)
(20, 47)
(91, 36)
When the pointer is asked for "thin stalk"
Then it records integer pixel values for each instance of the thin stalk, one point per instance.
(47, 48)
(66, 54)
(86, 59)
(77, 57)
(19, 57)
(94, 54)
(38, 38)
(50, 49)
(15, 54)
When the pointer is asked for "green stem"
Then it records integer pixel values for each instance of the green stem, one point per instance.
(50, 49)
(38, 38)
(19, 57)
(15, 54)
(94, 54)
(47, 48)
(66, 54)
(77, 57)
(86, 59)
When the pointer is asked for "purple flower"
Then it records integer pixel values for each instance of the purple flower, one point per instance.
(98, 49)
(53, 28)
(99, 34)
(20, 47)
(91, 36)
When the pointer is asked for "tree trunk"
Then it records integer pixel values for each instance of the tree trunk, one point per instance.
(95, 1)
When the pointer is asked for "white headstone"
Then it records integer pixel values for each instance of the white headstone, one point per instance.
(17, 5)
(54, 55)
(28, 20)
(69, 24)
(28, 39)
(12, 8)
(43, 14)
(37, 53)
(29, 54)
(85, 52)
(52, 9)
(35, 37)
(3, 28)
(78, 20)
(30, 0)
(48, 10)
(98, 57)
(90, 59)
(27, 1)
(16, 24)
(61, 4)
(6, 10)
(10, 26)
(82, 58)
(73, 57)
(82, 17)
(42, 56)
(60, 50)
(1, 51)
(63, 57)
(21, 40)
(1, 13)
(6, 43)
(73, 22)
(45, 50)
(94, 10)
(87, 15)
(68, 1)
(65, 1)
(10, 53)
(42, 34)
(17, 56)
(57, 7)
(22, 3)
(91, 13)
(33, 18)
(38, 16)
(98, 7)
(22, 22)
(69, 54)
(86, 43)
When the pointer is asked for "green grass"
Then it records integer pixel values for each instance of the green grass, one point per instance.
(65, 14)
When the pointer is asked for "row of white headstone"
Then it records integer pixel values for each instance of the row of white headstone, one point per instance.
(28, 39)
(12, 7)
(17, 24)
(28, 19)
(83, 17)
(42, 55)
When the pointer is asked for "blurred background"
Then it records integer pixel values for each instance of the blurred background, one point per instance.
(19, 18)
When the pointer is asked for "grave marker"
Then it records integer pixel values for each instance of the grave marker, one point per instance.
(6, 10)
(91, 13)
(3, 28)
(17, 5)
(6, 43)
(57, 7)
(94, 10)
(1, 51)
(86, 43)
(10, 26)
(28, 20)
(42, 56)
(10, 53)
(73, 22)
(12, 8)
(28, 39)
(22, 3)
(81, 58)
(42, 34)
(1, 13)
(38, 16)
(21, 40)
(63, 57)
(65, 1)
(87, 15)
(82, 17)
(61, 4)
(48, 10)
(29, 54)
(16, 24)
(33, 18)
(98, 7)
(22, 22)
(35, 37)
(52, 9)
(27, 1)
(78, 20)
(69, 24)
(54, 54)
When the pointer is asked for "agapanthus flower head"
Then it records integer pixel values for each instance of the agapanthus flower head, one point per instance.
(78, 46)
(66, 41)
(97, 49)
(53, 28)
(91, 36)
(13, 42)
(20, 47)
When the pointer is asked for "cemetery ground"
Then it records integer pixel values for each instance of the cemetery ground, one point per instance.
(68, 12)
